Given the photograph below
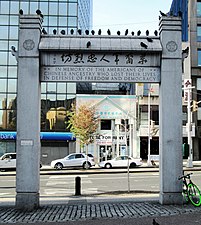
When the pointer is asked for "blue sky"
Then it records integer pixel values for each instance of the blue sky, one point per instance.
(128, 14)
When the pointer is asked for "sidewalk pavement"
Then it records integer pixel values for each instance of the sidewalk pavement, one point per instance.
(138, 210)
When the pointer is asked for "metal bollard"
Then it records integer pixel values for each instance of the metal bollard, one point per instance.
(78, 186)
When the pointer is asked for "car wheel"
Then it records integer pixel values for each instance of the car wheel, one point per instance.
(133, 165)
(58, 166)
(108, 166)
(86, 165)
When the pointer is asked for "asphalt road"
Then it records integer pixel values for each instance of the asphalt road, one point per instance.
(63, 185)
(91, 184)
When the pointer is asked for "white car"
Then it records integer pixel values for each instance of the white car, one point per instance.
(121, 161)
(73, 160)
(8, 161)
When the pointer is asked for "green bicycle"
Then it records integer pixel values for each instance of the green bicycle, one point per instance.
(190, 191)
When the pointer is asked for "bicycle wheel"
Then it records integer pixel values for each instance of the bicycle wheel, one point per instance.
(194, 194)
(185, 194)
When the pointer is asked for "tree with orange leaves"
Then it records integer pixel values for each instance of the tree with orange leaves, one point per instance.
(83, 123)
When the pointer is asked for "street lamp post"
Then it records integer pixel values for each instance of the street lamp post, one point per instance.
(128, 151)
(190, 157)
(128, 172)
(149, 128)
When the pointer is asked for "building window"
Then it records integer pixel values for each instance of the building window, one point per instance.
(199, 57)
(106, 125)
(199, 90)
(5, 7)
(199, 33)
(124, 125)
(199, 8)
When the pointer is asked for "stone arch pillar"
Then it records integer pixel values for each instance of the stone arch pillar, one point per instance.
(28, 113)
(170, 111)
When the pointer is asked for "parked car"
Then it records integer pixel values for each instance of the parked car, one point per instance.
(73, 160)
(8, 161)
(121, 161)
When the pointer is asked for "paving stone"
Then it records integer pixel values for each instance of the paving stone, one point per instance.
(62, 213)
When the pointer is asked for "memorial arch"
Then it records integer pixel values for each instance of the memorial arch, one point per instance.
(71, 58)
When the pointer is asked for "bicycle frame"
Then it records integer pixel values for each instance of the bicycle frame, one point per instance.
(190, 190)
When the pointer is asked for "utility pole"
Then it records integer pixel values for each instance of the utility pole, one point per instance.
(149, 126)
(189, 127)
(128, 173)
(149, 130)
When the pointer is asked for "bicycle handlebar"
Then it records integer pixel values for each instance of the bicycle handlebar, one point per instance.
(185, 176)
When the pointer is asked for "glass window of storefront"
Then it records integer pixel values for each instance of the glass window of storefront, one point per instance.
(7, 146)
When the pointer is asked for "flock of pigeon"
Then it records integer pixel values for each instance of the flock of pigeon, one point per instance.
(79, 31)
